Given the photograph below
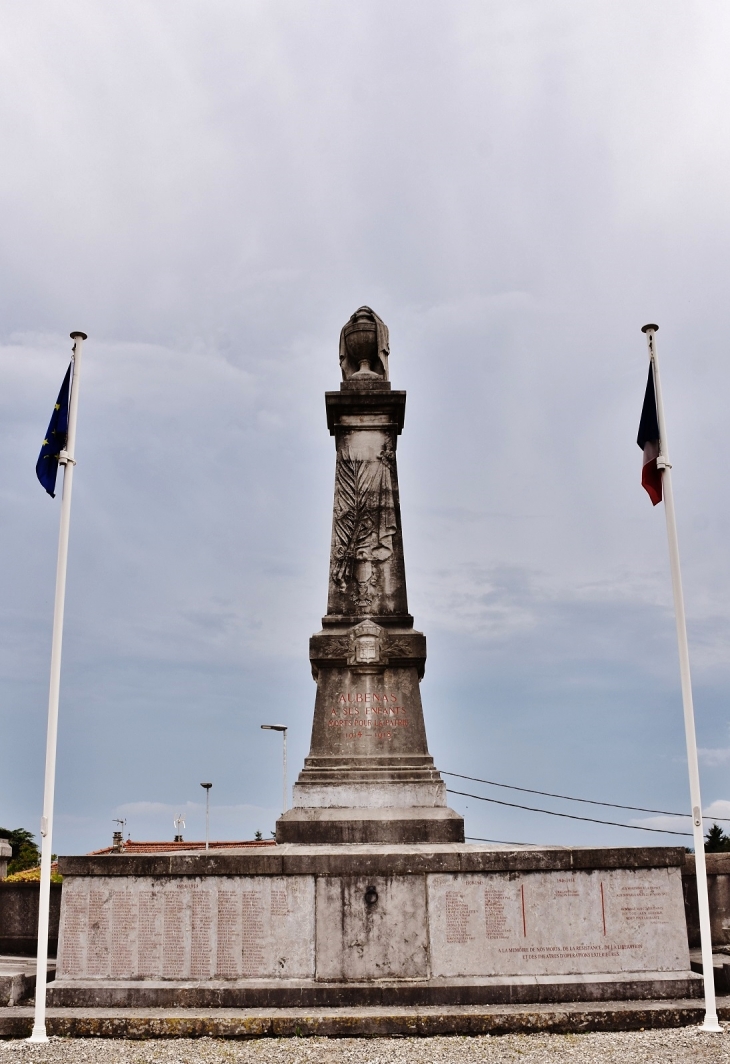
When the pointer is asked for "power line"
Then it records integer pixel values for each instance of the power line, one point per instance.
(502, 842)
(587, 801)
(568, 816)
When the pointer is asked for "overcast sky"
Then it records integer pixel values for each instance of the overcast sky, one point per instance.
(209, 191)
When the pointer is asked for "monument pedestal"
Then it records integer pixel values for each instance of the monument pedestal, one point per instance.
(394, 824)
(372, 925)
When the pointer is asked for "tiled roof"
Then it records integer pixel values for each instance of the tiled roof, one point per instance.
(130, 846)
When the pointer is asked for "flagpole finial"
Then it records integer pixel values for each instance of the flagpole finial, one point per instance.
(77, 332)
(645, 328)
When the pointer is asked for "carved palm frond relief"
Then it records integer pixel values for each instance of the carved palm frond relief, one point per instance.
(353, 522)
(334, 648)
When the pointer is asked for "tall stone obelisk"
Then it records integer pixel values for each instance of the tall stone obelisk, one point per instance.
(369, 777)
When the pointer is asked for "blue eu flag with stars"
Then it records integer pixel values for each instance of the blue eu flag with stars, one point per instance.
(56, 436)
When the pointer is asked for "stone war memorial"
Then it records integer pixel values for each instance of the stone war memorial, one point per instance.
(371, 896)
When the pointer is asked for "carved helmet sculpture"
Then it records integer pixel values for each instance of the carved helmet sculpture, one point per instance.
(364, 347)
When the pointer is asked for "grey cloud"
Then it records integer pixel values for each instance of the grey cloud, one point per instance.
(209, 193)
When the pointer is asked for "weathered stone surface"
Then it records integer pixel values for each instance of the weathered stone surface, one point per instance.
(718, 887)
(182, 928)
(291, 859)
(545, 923)
(371, 927)
(307, 994)
(402, 648)
(360, 1022)
(19, 918)
(368, 748)
(17, 978)
(368, 719)
(6, 852)
(412, 824)
(364, 348)
(367, 572)
(720, 967)
(346, 925)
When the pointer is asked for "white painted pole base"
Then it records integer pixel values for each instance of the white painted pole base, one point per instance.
(711, 1025)
(38, 1035)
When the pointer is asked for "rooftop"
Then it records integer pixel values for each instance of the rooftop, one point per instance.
(130, 846)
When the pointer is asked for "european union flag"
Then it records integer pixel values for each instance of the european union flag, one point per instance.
(56, 436)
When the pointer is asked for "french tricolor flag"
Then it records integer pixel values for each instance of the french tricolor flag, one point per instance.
(650, 442)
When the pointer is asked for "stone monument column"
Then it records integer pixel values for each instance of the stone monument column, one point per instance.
(369, 777)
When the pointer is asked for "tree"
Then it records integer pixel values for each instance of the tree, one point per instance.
(258, 836)
(716, 841)
(25, 852)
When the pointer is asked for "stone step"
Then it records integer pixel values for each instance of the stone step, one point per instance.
(360, 1022)
(394, 760)
(376, 776)
(720, 966)
(17, 977)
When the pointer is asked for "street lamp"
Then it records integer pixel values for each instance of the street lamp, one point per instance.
(280, 728)
(207, 787)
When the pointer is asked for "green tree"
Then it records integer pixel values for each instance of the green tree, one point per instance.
(258, 836)
(716, 841)
(25, 852)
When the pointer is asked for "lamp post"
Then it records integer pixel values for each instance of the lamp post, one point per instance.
(207, 787)
(281, 728)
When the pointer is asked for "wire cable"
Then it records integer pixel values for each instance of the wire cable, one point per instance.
(500, 842)
(587, 801)
(568, 816)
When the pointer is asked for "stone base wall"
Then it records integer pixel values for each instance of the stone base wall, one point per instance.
(718, 888)
(19, 918)
(311, 994)
(429, 924)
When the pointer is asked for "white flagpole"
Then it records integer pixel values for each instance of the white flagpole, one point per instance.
(66, 459)
(710, 1022)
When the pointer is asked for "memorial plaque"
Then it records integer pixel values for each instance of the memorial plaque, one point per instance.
(97, 959)
(175, 932)
(73, 932)
(252, 933)
(124, 908)
(496, 919)
(278, 926)
(149, 951)
(201, 934)
(613, 920)
(279, 903)
(457, 918)
(189, 928)
(228, 964)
